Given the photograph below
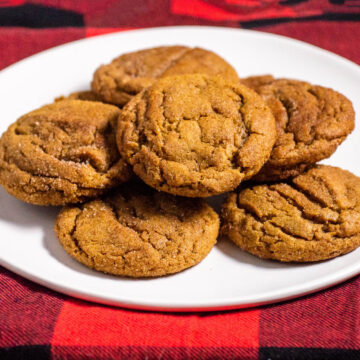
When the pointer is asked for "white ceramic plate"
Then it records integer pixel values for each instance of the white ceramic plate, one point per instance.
(227, 278)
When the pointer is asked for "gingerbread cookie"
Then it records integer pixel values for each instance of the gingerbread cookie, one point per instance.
(315, 216)
(130, 73)
(311, 122)
(138, 232)
(62, 153)
(195, 135)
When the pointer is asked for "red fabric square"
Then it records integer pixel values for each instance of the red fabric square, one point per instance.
(81, 324)
(202, 9)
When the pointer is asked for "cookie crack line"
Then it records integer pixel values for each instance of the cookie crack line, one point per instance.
(241, 102)
(313, 198)
(175, 61)
(40, 176)
(75, 240)
(127, 90)
(269, 218)
(125, 223)
(288, 114)
(301, 209)
(136, 228)
(314, 137)
(137, 231)
(288, 233)
(155, 205)
(122, 256)
(87, 162)
(56, 178)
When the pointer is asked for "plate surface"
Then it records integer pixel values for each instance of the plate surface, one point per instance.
(227, 278)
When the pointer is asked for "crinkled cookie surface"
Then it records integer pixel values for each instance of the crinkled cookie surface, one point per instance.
(138, 232)
(311, 122)
(315, 216)
(195, 135)
(62, 153)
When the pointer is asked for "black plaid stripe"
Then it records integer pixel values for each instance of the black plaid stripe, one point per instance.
(275, 353)
(38, 16)
(26, 352)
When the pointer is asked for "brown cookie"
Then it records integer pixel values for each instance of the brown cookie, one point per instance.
(195, 135)
(311, 122)
(81, 95)
(62, 153)
(130, 73)
(315, 216)
(138, 232)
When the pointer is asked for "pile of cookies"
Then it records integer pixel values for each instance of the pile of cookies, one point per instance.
(161, 129)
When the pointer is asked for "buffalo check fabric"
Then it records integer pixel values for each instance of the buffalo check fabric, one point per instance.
(36, 323)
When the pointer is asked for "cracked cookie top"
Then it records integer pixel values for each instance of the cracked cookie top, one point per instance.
(62, 153)
(315, 216)
(195, 135)
(311, 122)
(130, 73)
(138, 232)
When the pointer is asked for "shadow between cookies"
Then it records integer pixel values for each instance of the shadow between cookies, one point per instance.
(227, 247)
(23, 214)
(231, 250)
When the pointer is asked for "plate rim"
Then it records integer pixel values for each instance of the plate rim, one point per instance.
(193, 306)
(188, 306)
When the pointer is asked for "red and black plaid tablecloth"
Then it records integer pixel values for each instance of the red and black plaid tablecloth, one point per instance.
(36, 323)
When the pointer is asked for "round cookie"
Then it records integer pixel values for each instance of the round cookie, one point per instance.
(195, 135)
(130, 73)
(315, 216)
(311, 122)
(138, 232)
(62, 153)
